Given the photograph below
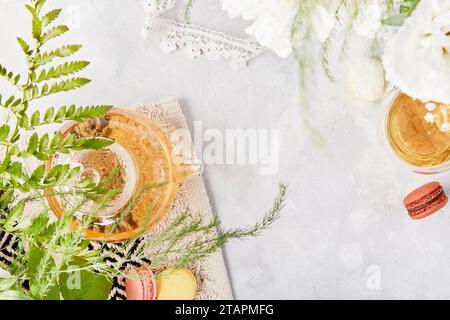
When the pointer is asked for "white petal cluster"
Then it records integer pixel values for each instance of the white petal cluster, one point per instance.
(417, 58)
(273, 20)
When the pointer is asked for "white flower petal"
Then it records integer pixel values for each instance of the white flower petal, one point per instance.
(417, 58)
(365, 80)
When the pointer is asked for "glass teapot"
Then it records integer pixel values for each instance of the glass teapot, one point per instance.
(141, 163)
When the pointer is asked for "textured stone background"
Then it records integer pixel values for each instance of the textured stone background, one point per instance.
(344, 223)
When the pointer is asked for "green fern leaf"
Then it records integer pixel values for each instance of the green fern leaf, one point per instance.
(38, 173)
(49, 17)
(91, 143)
(33, 143)
(25, 46)
(35, 118)
(43, 142)
(59, 116)
(53, 33)
(65, 85)
(62, 52)
(38, 5)
(48, 115)
(36, 22)
(89, 112)
(4, 132)
(56, 140)
(65, 69)
(9, 76)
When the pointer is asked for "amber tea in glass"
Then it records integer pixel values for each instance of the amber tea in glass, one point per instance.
(419, 132)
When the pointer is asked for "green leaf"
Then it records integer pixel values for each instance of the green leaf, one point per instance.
(13, 216)
(53, 174)
(23, 121)
(43, 142)
(48, 115)
(15, 169)
(38, 173)
(62, 52)
(65, 69)
(92, 143)
(83, 285)
(69, 140)
(35, 118)
(33, 143)
(73, 173)
(9, 76)
(66, 85)
(5, 163)
(25, 46)
(56, 140)
(14, 295)
(38, 225)
(9, 101)
(4, 132)
(49, 17)
(89, 112)
(40, 266)
(39, 4)
(6, 198)
(53, 33)
(36, 22)
(59, 116)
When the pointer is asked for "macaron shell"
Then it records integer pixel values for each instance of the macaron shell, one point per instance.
(176, 285)
(421, 192)
(141, 284)
(425, 200)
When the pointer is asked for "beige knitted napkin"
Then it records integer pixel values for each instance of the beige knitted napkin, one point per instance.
(211, 274)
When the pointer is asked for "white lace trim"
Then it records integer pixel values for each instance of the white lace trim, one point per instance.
(195, 40)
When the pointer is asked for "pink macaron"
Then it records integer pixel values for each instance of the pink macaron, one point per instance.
(425, 200)
(141, 284)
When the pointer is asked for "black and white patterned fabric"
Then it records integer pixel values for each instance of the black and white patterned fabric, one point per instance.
(120, 258)
(8, 248)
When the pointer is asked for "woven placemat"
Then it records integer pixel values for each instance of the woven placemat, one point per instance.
(211, 273)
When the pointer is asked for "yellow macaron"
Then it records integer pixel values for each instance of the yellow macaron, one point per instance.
(176, 285)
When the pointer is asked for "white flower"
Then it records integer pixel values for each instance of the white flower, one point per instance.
(368, 21)
(365, 80)
(417, 58)
(272, 24)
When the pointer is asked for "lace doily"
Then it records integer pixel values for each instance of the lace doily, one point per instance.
(195, 40)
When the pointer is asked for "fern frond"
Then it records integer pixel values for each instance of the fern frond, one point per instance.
(50, 16)
(36, 23)
(25, 47)
(9, 76)
(62, 52)
(53, 33)
(65, 69)
(65, 85)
